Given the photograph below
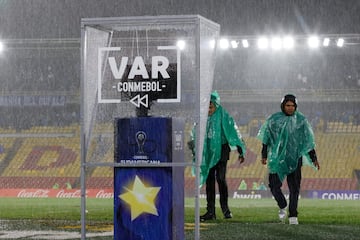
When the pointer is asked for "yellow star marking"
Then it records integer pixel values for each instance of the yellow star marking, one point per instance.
(140, 198)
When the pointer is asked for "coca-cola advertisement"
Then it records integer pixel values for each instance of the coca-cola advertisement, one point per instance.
(56, 193)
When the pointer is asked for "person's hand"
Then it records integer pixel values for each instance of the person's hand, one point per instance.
(241, 159)
(264, 161)
(191, 146)
(316, 164)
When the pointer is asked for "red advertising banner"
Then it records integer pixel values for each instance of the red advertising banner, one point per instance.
(56, 193)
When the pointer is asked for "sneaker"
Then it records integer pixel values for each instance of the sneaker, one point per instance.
(207, 216)
(228, 214)
(293, 221)
(282, 214)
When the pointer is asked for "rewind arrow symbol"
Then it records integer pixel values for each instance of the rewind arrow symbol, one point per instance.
(138, 100)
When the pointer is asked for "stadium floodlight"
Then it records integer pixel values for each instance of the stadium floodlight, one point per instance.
(234, 44)
(288, 42)
(245, 43)
(181, 44)
(263, 43)
(276, 43)
(1, 47)
(212, 44)
(224, 43)
(326, 42)
(340, 42)
(313, 42)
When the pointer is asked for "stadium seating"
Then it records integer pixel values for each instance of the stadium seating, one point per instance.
(46, 156)
(340, 127)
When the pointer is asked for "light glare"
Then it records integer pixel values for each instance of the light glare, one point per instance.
(212, 44)
(181, 44)
(326, 42)
(313, 42)
(262, 43)
(234, 44)
(288, 42)
(245, 43)
(340, 42)
(224, 43)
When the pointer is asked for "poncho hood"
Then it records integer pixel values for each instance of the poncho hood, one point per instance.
(215, 98)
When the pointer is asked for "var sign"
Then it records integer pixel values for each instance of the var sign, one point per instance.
(159, 64)
(139, 79)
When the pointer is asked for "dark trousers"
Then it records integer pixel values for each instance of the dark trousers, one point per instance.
(293, 181)
(218, 172)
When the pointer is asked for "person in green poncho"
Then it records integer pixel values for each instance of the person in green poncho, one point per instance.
(287, 143)
(221, 137)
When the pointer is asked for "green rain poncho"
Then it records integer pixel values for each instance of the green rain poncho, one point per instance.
(220, 129)
(288, 138)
